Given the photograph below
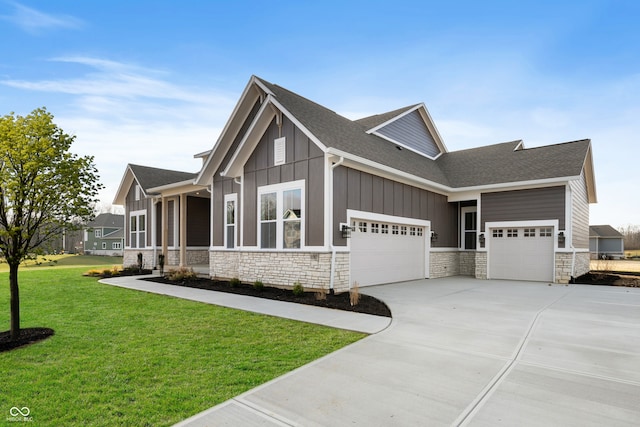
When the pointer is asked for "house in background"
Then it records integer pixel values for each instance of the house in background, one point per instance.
(292, 191)
(605, 242)
(104, 235)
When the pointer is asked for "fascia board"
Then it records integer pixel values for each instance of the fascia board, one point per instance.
(393, 119)
(590, 176)
(174, 188)
(127, 179)
(232, 168)
(209, 164)
(426, 116)
(299, 125)
(386, 171)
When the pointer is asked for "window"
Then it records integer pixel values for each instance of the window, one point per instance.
(104, 245)
(230, 201)
(469, 227)
(116, 245)
(497, 232)
(375, 227)
(403, 230)
(512, 232)
(394, 229)
(385, 228)
(97, 233)
(137, 229)
(412, 231)
(362, 227)
(420, 231)
(281, 216)
(546, 232)
(529, 232)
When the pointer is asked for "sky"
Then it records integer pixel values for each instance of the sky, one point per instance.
(154, 82)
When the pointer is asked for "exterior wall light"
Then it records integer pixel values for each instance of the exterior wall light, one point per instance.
(481, 239)
(346, 230)
(561, 238)
(434, 236)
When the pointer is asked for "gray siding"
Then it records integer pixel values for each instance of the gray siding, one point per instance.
(524, 205)
(131, 205)
(411, 131)
(580, 212)
(304, 161)
(606, 245)
(353, 189)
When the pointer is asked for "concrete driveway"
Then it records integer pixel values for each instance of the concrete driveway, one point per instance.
(462, 351)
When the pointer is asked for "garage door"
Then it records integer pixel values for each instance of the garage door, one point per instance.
(386, 252)
(521, 253)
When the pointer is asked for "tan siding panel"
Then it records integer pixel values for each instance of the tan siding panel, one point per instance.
(580, 213)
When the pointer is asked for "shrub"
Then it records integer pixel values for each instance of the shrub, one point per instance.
(181, 274)
(354, 294)
(234, 283)
(298, 289)
(258, 285)
(321, 294)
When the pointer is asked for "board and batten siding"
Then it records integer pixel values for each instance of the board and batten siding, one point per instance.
(304, 160)
(132, 205)
(199, 224)
(354, 189)
(524, 205)
(410, 130)
(579, 213)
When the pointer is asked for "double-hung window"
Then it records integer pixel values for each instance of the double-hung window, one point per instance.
(280, 216)
(137, 229)
(230, 202)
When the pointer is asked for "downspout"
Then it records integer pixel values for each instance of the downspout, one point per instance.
(333, 248)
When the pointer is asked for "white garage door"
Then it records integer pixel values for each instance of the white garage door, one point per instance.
(386, 252)
(521, 253)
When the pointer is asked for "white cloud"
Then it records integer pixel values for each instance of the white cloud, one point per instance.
(35, 22)
(122, 113)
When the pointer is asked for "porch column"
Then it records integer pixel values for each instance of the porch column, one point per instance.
(183, 230)
(165, 230)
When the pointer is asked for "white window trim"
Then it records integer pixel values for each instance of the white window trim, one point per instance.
(116, 245)
(136, 214)
(279, 189)
(97, 233)
(231, 198)
(104, 245)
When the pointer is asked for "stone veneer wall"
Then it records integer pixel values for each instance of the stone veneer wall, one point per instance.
(468, 263)
(564, 261)
(194, 256)
(481, 265)
(444, 264)
(311, 269)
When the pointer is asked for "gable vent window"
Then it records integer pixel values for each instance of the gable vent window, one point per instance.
(279, 151)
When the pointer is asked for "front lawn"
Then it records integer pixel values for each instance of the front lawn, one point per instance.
(122, 357)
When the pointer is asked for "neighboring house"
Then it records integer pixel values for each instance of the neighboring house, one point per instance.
(605, 242)
(292, 191)
(105, 235)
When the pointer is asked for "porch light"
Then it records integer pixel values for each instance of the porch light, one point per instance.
(346, 230)
(434, 236)
(561, 238)
(481, 239)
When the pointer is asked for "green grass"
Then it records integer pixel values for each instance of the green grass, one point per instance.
(121, 357)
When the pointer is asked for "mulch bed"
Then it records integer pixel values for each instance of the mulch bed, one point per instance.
(367, 304)
(27, 336)
(608, 279)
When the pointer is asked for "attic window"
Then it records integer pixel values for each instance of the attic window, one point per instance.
(279, 151)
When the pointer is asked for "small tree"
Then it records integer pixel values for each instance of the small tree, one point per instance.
(44, 188)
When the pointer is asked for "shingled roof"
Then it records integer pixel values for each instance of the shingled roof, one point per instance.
(149, 177)
(500, 163)
(604, 231)
(349, 136)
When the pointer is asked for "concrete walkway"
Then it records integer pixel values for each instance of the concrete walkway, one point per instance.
(462, 351)
(305, 313)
